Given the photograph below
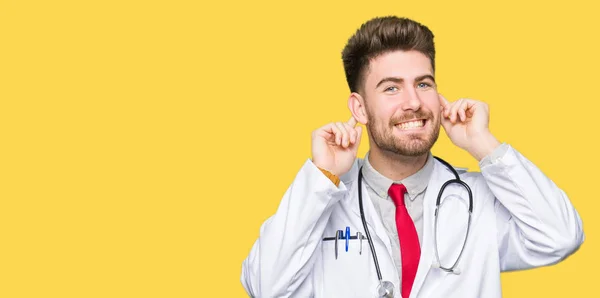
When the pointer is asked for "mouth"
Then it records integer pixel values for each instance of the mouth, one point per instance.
(412, 124)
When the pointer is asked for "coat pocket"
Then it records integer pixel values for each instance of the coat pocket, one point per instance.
(351, 273)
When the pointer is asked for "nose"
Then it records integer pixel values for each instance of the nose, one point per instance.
(411, 100)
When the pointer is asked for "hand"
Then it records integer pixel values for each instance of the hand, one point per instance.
(335, 145)
(466, 122)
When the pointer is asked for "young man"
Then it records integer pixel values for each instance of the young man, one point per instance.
(520, 219)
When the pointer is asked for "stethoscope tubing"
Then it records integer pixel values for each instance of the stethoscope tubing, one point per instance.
(437, 205)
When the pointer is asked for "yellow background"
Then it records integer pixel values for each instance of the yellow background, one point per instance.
(143, 143)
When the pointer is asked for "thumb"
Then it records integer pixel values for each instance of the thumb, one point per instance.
(446, 123)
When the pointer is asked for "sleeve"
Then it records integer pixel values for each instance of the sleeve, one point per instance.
(537, 225)
(335, 179)
(280, 261)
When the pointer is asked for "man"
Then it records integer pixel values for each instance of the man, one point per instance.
(520, 218)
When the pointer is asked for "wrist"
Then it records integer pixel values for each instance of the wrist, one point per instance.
(321, 165)
(334, 178)
(483, 145)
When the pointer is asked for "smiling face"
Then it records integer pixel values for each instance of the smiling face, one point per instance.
(401, 103)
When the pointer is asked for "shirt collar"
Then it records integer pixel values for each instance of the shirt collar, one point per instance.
(415, 184)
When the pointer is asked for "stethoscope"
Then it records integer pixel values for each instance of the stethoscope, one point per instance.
(385, 289)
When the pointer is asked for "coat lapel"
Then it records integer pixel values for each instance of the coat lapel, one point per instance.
(376, 229)
(439, 175)
(374, 223)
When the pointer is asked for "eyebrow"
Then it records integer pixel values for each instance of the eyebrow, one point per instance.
(400, 80)
(423, 77)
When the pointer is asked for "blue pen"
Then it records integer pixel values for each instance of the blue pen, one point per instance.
(347, 237)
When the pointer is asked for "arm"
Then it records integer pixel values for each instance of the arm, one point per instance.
(536, 223)
(280, 261)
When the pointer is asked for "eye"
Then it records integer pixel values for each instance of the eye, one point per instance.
(391, 89)
(423, 85)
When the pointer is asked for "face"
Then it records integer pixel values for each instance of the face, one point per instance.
(401, 102)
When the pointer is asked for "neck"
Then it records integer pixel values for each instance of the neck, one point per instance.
(395, 166)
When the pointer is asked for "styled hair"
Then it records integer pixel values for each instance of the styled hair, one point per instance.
(379, 36)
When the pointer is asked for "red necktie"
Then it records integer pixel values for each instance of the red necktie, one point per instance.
(409, 240)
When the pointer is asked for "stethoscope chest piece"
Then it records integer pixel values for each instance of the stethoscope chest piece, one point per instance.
(385, 289)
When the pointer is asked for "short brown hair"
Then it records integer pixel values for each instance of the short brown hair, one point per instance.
(379, 36)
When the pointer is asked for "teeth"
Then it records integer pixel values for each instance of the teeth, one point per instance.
(411, 124)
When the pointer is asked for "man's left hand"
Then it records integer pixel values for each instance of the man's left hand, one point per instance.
(466, 122)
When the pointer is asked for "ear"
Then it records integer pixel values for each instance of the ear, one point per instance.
(356, 104)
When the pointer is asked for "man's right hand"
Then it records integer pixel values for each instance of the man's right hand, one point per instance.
(335, 145)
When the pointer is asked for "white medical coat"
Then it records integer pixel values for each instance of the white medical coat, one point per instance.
(520, 220)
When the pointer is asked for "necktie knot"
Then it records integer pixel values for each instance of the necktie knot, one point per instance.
(397, 192)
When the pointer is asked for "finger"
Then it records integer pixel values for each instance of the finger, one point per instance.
(447, 108)
(351, 132)
(352, 122)
(470, 110)
(345, 139)
(445, 122)
(462, 109)
(332, 129)
(454, 110)
(443, 102)
(461, 115)
(358, 135)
